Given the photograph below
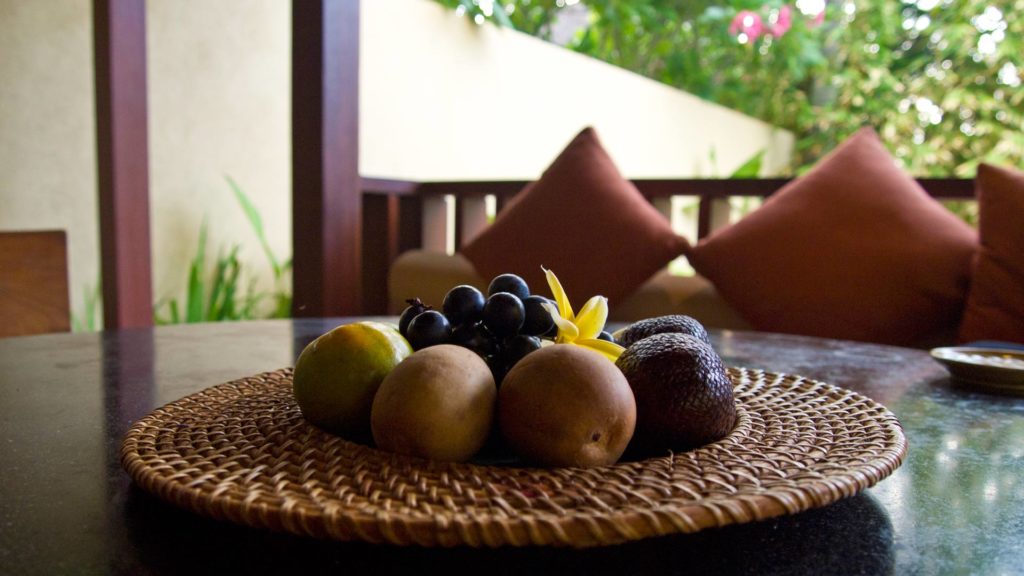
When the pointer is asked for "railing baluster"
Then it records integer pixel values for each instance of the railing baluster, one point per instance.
(424, 219)
(712, 215)
(473, 219)
(663, 204)
(721, 211)
(435, 223)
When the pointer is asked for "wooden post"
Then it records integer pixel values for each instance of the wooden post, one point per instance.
(326, 194)
(713, 214)
(380, 248)
(410, 219)
(119, 28)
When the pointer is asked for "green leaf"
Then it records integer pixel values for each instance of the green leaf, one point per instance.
(250, 300)
(468, 5)
(216, 289)
(716, 13)
(196, 291)
(253, 215)
(502, 17)
(233, 269)
(88, 321)
(751, 168)
(284, 305)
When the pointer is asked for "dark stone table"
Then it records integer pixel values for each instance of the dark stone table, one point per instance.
(956, 506)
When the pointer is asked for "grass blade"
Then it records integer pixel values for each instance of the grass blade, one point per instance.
(283, 308)
(87, 321)
(253, 215)
(194, 296)
(251, 300)
(231, 271)
(751, 168)
(502, 17)
(92, 305)
(213, 304)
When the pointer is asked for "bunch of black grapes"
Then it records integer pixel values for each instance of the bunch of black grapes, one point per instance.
(502, 327)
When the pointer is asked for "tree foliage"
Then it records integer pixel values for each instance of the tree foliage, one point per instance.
(941, 80)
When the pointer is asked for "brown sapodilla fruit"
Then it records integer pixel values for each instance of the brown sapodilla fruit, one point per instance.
(565, 405)
(684, 396)
(659, 325)
(438, 404)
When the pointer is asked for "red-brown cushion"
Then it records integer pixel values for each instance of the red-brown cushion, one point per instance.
(995, 303)
(585, 222)
(855, 249)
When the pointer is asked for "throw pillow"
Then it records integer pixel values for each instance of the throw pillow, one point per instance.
(855, 249)
(995, 303)
(583, 221)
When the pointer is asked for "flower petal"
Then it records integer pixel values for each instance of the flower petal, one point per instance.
(559, 294)
(567, 331)
(592, 317)
(609, 350)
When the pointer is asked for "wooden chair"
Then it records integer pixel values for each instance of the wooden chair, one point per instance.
(33, 283)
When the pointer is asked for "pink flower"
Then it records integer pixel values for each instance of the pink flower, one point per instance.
(818, 19)
(747, 23)
(783, 22)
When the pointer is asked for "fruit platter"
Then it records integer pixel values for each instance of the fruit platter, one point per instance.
(507, 418)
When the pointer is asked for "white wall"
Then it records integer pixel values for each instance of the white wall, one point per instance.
(47, 128)
(219, 104)
(441, 98)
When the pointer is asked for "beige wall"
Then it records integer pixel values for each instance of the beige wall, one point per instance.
(441, 99)
(47, 127)
(220, 105)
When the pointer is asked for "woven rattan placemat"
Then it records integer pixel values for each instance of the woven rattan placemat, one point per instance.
(241, 451)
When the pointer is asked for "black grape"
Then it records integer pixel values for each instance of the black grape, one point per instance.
(499, 368)
(504, 314)
(538, 321)
(416, 306)
(518, 347)
(474, 337)
(463, 333)
(463, 304)
(509, 283)
(428, 329)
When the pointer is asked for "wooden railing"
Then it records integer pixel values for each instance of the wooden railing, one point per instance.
(400, 215)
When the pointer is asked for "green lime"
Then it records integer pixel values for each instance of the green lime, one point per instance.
(337, 376)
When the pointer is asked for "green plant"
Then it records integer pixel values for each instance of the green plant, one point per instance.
(219, 294)
(89, 320)
(282, 270)
(740, 206)
(940, 80)
(210, 298)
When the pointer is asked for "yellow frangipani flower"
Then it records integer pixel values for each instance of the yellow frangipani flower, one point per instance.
(582, 329)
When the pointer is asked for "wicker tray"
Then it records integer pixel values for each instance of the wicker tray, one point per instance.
(242, 452)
